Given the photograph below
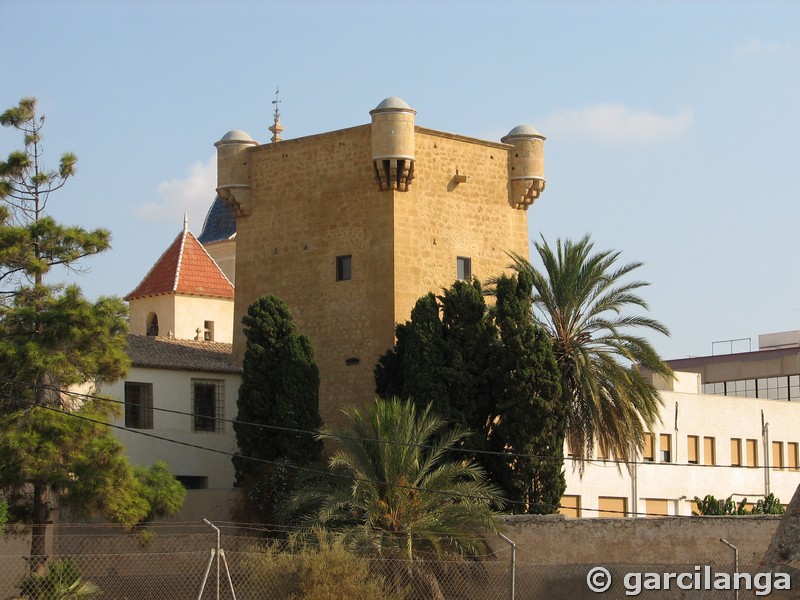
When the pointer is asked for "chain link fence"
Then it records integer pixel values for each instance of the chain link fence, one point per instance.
(167, 564)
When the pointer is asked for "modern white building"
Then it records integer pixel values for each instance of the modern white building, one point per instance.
(731, 427)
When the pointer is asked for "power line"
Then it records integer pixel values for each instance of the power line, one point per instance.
(329, 473)
(283, 463)
(340, 436)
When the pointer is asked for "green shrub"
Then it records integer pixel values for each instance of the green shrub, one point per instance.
(327, 570)
(61, 581)
(3, 514)
(710, 506)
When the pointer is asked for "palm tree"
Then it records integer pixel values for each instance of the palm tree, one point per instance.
(581, 301)
(393, 486)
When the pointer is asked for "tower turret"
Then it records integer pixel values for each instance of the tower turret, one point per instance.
(393, 144)
(527, 165)
(233, 173)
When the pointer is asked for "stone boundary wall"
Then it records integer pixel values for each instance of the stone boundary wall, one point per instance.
(555, 539)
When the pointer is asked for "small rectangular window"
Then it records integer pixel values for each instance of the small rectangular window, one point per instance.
(791, 455)
(602, 453)
(193, 482)
(570, 506)
(647, 452)
(777, 455)
(344, 267)
(463, 268)
(709, 451)
(208, 331)
(665, 446)
(752, 453)
(612, 507)
(692, 445)
(656, 507)
(208, 405)
(138, 405)
(736, 452)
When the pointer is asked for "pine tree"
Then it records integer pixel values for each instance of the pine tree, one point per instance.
(280, 388)
(54, 444)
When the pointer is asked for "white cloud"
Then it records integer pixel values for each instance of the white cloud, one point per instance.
(192, 195)
(757, 46)
(617, 124)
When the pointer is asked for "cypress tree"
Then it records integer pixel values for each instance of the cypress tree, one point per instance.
(492, 372)
(413, 368)
(531, 419)
(280, 388)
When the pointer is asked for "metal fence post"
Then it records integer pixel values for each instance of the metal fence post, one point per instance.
(212, 526)
(735, 563)
(513, 590)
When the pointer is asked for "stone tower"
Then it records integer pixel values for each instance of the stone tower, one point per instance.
(351, 227)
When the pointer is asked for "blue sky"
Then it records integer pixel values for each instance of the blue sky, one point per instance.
(672, 127)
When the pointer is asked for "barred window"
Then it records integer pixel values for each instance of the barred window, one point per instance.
(138, 405)
(208, 405)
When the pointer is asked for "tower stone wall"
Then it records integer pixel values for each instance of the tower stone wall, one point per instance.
(316, 198)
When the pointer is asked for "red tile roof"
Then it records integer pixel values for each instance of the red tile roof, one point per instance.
(184, 268)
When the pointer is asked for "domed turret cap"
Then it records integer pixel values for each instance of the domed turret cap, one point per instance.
(393, 104)
(522, 131)
(236, 136)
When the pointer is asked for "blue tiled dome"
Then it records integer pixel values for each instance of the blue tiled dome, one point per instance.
(220, 223)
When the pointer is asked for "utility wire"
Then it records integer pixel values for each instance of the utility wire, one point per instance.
(323, 473)
(604, 462)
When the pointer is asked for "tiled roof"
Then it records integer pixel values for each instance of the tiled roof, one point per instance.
(183, 355)
(220, 223)
(185, 268)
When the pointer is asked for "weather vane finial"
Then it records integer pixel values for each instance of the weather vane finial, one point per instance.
(276, 102)
(276, 127)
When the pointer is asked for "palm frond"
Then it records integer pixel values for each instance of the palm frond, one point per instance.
(581, 301)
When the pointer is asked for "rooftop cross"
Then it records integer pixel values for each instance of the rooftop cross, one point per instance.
(276, 127)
